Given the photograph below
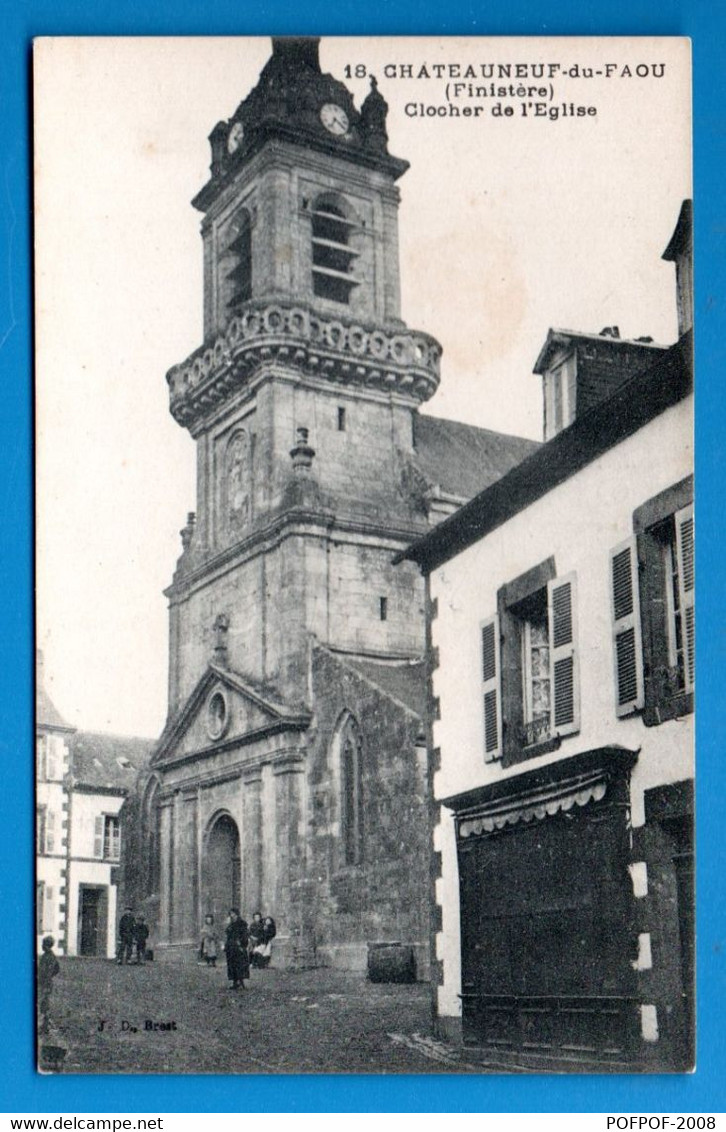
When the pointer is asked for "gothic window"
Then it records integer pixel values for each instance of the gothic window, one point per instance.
(237, 480)
(333, 255)
(351, 767)
(239, 251)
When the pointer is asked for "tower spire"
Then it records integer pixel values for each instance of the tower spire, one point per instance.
(297, 51)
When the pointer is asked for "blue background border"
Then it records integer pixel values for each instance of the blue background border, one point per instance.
(20, 1088)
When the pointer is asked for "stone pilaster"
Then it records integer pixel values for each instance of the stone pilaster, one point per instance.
(269, 841)
(188, 895)
(166, 888)
(391, 268)
(177, 870)
(289, 778)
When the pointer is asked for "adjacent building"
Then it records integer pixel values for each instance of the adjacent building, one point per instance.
(82, 779)
(561, 632)
(291, 775)
(52, 768)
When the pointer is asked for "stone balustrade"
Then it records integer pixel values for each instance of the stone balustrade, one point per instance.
(337, 349)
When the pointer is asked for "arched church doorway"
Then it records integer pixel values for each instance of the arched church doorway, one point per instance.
(222, 871)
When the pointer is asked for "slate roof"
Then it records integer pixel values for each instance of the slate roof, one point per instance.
(463, 459)
(640, 352)
(405, 682)
(46, 713)
(630, 408)
(108, 761)
(682, 238)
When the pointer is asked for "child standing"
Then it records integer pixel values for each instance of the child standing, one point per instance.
(141, 936)
(208, 949)
(48, 968)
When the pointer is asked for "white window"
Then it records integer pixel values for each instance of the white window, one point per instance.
(664, 532)
(535, 644)
(535, 688)
(45, 908)
(107, 837)
(45, 830)
(560, 396)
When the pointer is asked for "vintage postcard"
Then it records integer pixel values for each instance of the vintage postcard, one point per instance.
(365, 555)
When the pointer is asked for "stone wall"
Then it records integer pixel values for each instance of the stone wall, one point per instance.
(385, 897)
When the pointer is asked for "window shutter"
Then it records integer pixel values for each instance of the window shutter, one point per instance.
(40, 751)
(686, 590)
(98, 837)
(627, 642)
(39, 905)
(49, 831)
(564, 668)
(491, 693)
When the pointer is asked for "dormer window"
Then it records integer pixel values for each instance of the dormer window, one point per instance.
(560, 396)
(333, 257)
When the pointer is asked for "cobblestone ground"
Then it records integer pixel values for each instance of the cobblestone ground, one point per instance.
(284, 1022)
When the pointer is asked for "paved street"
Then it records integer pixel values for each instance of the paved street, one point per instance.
(285, 1022)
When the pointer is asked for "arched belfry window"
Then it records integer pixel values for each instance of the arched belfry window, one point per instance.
(333, 255)
(240, 253)
(152, 837)
(351, 791)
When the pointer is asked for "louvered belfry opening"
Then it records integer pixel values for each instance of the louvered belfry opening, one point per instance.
(241, 274)
(333, 257)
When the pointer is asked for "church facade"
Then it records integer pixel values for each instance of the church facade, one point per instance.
(291, 775)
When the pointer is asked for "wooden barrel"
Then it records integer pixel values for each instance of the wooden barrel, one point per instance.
(391, 963)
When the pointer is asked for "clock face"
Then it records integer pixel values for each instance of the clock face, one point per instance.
(334, 118)
(234, 137)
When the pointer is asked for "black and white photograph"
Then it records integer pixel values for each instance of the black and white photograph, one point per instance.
(364, 551)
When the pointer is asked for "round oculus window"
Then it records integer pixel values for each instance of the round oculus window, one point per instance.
(217, 715)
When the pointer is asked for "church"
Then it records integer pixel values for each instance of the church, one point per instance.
(291, 776)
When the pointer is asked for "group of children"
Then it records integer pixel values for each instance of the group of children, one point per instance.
(260, 935)
(133, 935)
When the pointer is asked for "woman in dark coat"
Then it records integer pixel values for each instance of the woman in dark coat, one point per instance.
(238, 964)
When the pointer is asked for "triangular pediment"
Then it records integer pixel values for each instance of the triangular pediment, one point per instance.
(225, 708)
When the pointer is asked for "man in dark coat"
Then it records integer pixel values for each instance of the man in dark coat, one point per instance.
(48, 968)
(126, 928)
(235, 947)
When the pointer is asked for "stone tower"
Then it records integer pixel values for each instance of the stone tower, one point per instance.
(302, 332)
(290, 772)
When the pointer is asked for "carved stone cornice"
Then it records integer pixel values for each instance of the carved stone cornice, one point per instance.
(341, 350)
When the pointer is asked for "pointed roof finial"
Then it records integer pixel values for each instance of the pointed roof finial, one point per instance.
(297, 51)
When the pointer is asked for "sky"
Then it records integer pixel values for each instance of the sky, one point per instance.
(508, 226)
